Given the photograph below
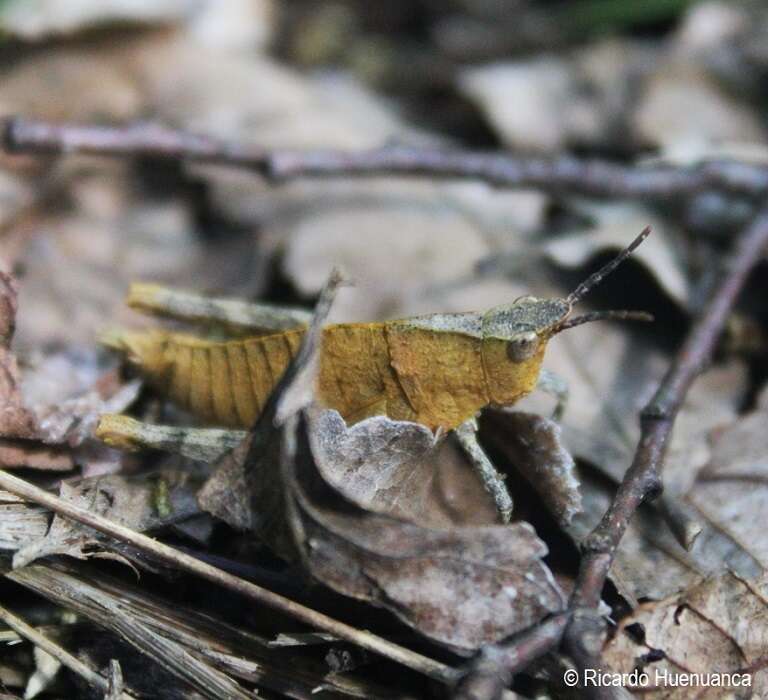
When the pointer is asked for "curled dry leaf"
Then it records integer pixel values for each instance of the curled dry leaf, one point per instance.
(719, 625)
(141, 504)
(392, 466)
(533, 444)
(463, 586)
(399, 468)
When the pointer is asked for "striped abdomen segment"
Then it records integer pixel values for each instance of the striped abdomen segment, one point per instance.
(229, 383)
(222, 383)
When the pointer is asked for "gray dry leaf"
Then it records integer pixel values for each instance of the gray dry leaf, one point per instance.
(138, 503)
(461, 586)
(730, 489)
(615, 225)
(533, 445)
(529, 103)
(400, 469)
(718, 625)
(547, 101)
(20, 522)
(680, 87)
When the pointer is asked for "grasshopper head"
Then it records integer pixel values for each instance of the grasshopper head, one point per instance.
(525, 324)
(515, 335)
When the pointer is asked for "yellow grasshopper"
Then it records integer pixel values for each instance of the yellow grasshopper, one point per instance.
(439, 370)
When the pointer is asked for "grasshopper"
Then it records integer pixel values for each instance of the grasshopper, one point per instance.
(439, 370)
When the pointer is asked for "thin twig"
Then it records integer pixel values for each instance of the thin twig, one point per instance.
(642, 480)
(558, 175)
(491, 671)
(71, 662)
(379, 645)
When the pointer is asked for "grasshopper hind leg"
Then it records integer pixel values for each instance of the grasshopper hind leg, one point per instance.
(493, 481)
(554, 385)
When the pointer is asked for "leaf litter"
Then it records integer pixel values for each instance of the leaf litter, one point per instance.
(74, 260)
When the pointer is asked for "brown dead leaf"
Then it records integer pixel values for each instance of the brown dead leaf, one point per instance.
(719, 625)
(45, 417)
(612, 375)
(15, 420)
(463, 586)
(138, 503)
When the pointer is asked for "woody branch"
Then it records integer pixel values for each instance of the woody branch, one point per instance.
(566, 174)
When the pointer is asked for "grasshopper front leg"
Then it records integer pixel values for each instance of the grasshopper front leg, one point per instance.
(493, 481)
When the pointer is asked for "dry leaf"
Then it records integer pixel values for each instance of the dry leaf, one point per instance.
(680, 87)
(399, 468)
(55, 405)
(614, 226)
(20, 522)
(527, 102)
(729, 491)
(533, 445)
(719, 625)
(138, 503)
(464, 586)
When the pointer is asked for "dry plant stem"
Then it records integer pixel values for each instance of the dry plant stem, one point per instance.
(173, 557)
(642, 479)
(491, 671)
(559, 175)
(71, 662)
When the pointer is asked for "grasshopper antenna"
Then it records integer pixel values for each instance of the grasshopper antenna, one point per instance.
(604, 316)
(595, 279)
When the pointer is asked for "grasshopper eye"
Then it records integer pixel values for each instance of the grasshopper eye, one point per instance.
(522, 346)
